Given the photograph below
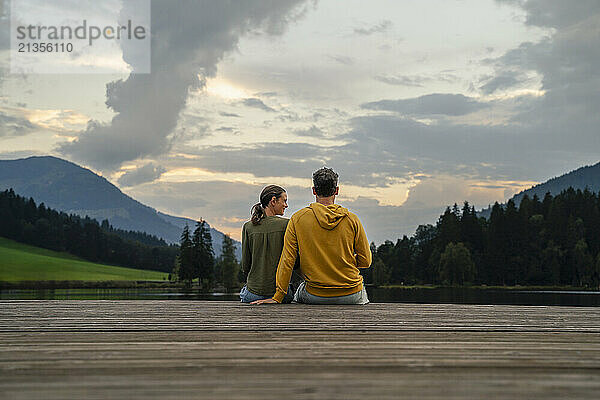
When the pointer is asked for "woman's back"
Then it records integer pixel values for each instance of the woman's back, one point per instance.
(261, 249)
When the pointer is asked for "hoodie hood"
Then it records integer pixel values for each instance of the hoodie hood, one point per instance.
(328, 217)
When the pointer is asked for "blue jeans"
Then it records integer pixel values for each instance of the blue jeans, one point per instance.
(246, 296)
(302, 296)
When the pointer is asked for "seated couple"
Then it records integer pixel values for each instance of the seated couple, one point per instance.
(320, 249)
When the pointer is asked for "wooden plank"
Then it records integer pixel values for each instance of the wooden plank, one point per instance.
(183, 349)
(207, 315)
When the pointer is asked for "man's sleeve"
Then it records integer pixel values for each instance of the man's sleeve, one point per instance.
(286, 261)
(246, 253)
(361, 247)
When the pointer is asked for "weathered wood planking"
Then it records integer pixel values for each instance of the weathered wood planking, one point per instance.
(198, 349)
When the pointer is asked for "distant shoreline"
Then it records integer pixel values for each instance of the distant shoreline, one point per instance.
(89, 285)
(74, 284)
(486, 287)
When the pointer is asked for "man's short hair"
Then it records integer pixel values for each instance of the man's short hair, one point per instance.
(325, 181)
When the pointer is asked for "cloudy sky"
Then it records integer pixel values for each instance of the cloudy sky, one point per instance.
(416, 104)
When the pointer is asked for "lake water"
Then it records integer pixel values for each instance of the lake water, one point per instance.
(376, 295)
(486, 296)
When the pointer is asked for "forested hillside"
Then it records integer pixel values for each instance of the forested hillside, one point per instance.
(549, 241)
(26, 222)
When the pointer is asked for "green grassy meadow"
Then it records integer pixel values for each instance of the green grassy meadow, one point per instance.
(21, 262)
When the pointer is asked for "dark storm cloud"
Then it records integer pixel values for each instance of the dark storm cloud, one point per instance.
(516, 151)
(188, 40)
(566, 115)
(148, 173)
(431, 104)
(257, 103)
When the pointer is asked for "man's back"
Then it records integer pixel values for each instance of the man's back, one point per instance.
(332, 246)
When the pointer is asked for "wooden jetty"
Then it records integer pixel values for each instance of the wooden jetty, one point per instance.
(226, 350)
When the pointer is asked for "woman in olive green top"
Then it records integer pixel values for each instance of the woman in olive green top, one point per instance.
(262, 242)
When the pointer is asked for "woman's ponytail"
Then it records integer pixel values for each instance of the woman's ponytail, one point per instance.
(258, 213)
(258, 210)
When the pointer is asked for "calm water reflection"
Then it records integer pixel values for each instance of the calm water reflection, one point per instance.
(486, 296)
(113, 294)
(376, 295)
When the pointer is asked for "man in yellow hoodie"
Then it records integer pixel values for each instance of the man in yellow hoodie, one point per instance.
(331, 244)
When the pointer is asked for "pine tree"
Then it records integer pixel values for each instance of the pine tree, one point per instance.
(425, 237)
(448, 227)
(203, 254)
(186, 257)
(403, 270)
(228, 264)
(515, 269)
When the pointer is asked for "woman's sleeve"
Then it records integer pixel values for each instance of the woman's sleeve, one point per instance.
(246, 252)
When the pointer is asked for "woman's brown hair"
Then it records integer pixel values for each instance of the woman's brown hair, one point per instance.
(258, 210)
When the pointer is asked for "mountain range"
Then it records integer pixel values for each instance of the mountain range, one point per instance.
(581, 178)
(67, 187)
